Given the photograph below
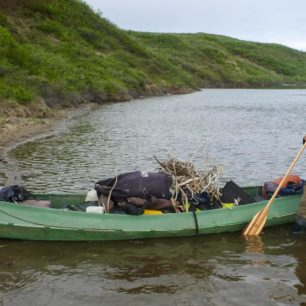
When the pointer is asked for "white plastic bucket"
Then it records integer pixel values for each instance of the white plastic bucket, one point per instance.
(95, 209)
(91, 196)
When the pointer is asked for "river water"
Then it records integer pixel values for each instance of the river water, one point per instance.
(253, 134)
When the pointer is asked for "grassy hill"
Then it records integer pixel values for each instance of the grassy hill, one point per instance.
(59, 52)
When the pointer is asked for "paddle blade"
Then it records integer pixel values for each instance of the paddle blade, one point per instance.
(257, 224)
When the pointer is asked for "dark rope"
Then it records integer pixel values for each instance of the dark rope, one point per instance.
(196, 223)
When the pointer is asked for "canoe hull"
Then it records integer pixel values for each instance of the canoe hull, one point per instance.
(32, 223)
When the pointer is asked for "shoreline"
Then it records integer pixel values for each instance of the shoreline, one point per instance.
(18, 130)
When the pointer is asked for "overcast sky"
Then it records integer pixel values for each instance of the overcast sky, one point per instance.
(278, 21)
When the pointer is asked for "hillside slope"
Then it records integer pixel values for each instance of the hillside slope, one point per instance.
(60, 52)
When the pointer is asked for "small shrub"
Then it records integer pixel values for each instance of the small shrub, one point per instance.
(51, 26)
(42, 6)
(91, 37)
(19, 93)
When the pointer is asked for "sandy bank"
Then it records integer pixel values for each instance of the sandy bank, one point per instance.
(16, 130)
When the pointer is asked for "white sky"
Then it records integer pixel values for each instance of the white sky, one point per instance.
(276, 21)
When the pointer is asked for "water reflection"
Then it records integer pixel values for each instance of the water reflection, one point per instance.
(299, 253)
(205, 270)
(254, 244)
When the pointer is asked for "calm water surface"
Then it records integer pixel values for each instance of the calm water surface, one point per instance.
(254, 134)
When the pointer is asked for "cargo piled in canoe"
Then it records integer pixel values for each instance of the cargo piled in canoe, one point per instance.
(177, 186)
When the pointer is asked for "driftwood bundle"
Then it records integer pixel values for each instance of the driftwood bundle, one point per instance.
(189, 180)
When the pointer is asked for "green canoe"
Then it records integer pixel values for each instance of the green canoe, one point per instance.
(33, 223)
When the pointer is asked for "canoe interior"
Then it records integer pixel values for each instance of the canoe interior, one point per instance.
(60, 200)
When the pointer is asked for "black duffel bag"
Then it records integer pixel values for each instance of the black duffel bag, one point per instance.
(232, 192)
(14, 194)
(136, 184)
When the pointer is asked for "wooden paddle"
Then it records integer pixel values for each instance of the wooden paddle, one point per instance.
(256, 225)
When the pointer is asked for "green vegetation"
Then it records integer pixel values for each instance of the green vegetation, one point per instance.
(63, 52)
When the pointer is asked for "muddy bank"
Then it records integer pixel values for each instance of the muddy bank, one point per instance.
(15, 130)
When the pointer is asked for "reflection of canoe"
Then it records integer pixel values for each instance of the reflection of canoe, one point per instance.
(33, 223)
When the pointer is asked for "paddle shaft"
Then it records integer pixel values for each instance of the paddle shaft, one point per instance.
(258, 221)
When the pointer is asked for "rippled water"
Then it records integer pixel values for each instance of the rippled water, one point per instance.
(254, 134)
